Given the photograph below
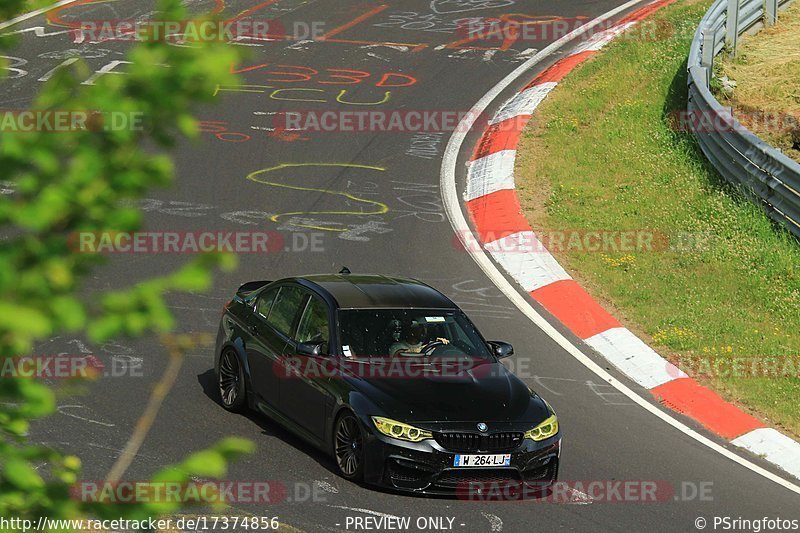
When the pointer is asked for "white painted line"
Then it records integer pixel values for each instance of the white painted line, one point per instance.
(633, 357)
(774, 446)
(527, 260)
(365, 511)
(61, 409)
(577, 497)
(26, 16)
(524, 103)
(40, 31)
(267, 128)
(490, 174)
(327, 487)
(495, 522)
(462, 229)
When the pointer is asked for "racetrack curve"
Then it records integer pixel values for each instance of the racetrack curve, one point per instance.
(394, 223)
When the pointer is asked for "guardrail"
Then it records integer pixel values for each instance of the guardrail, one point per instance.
(760, 170)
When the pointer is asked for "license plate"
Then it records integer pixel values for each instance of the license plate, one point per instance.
(482, 460)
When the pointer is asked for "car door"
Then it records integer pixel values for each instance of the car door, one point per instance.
(275, 313)
(305, 397)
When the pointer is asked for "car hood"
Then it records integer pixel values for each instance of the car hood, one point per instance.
(479, 391)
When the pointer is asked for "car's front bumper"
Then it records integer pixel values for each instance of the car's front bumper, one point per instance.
(427, 468)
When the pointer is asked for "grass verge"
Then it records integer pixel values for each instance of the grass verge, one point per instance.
(599, 154)
(766, 70)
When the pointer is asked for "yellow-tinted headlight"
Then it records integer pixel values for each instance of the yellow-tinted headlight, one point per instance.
(399, 430)
(545, 430)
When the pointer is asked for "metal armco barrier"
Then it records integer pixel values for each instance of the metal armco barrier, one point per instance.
(760, 170)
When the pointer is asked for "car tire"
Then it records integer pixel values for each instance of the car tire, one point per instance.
(348, 446)
(230, 382)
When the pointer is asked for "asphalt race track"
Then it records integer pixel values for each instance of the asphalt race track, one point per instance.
(391, 221)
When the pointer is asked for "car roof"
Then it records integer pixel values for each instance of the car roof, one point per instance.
(357, 291)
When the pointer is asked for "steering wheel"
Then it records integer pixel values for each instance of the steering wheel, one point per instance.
(431, 346)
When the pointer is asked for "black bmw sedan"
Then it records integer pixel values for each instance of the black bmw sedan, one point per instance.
(391, 378)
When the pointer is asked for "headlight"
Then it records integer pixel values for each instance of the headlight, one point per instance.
(545, 430)
(398, 430)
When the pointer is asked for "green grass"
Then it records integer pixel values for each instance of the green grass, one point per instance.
(600, 155)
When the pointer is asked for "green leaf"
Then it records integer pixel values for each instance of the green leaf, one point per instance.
(207, 463)
(232, 446)
(191, 277)
(23, 320)
(69, 312)
(39, 399)
(18, 427)
(21, 474)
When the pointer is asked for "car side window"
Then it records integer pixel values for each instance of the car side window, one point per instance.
(285, 308)
(313, 325)
(264, 302)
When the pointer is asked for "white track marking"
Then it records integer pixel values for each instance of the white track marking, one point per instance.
(61, 408)
(117, 451)
(365, 511)
(531, 270)
(463, 6)
(327, 487)
(524, 103)
(526, 54)
(490, 174)
(397, 47)
(633, 357)
(775, 446)
(462, 229)
(495, 522)
(379, 57)
(40, 31)
(26, 16)
(577, 497)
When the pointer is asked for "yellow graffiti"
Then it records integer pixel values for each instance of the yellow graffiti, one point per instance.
(278, 94)
(378, 209)
(343, 92)
(274, 95)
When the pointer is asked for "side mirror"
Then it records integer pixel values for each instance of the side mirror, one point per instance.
(501, 349)
(313, 349)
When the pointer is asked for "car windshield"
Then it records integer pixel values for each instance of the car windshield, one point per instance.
(409, 332)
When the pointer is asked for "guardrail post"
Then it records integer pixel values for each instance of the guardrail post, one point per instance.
(732, 26)
(770, 178)
(707, 56)
(770, 12)
(707, 76)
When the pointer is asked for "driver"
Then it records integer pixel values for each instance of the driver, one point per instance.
(416, 340)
